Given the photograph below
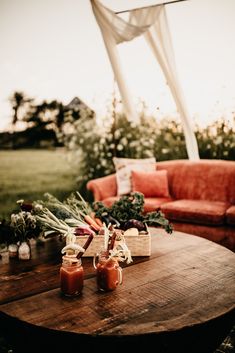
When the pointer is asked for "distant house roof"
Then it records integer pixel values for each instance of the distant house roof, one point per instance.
(77, 104)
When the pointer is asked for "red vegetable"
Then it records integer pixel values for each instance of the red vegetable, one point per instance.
(83, 230)
(134, 223)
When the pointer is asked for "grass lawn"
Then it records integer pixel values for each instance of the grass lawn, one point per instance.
(28, 174)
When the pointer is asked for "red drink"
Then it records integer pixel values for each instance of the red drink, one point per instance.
(71, 276)
(108, 273)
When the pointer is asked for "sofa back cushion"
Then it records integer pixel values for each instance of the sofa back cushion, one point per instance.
(151, 184)
(201, 180)
(124, 166)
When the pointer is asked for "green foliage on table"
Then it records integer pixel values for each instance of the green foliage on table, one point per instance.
(131, 207)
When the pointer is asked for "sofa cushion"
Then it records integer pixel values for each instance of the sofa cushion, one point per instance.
(124, 166)
(201, 180)
(151, 184)
(196, 211)
(151, 204)
(230, 215)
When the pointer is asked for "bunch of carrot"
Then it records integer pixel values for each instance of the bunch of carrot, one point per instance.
(88, 215)
(93, 221)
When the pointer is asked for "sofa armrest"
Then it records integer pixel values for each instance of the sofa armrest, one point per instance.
(103, 187)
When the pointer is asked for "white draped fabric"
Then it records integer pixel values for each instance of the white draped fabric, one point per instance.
(152, 23)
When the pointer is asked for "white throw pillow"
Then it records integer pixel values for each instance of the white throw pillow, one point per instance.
(124, 166)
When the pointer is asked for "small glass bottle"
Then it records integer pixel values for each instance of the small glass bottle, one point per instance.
(13, 250)
(24, 251)
(71, 275)
(108, 272)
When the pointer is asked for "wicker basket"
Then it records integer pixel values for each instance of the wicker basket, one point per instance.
(139, 245)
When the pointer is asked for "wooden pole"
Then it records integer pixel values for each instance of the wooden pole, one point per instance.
(145, 7)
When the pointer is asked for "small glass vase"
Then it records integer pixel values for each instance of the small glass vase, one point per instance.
(108, 272)
(24, 251)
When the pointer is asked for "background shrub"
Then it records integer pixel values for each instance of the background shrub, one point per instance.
(93, 144)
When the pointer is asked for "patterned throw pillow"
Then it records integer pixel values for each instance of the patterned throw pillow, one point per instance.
(124, 166)
(151, 184)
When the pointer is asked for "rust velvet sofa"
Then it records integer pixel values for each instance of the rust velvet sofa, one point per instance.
(201, 198)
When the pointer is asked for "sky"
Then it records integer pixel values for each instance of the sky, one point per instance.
(53, 49)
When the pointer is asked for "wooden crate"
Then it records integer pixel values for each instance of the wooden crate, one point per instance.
(139, 245)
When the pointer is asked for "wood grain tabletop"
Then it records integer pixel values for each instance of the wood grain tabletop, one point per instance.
(183, 292)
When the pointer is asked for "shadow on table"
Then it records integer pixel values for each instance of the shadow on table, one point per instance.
(207, 338)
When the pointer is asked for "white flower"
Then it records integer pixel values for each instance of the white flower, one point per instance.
(38, 208)
(117, 133)
(109, 137)
(20, 202)
(124, 141)
(95, 148)
(13, 219)
(133, 143)
(218, 140)
(119, 147)
(165, 150)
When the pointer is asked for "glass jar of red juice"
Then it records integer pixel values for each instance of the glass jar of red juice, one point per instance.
(71, 275)
(108, 272)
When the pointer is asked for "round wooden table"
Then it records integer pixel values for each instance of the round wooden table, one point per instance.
(181, 299)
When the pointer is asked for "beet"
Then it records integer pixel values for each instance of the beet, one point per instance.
(134, 223)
